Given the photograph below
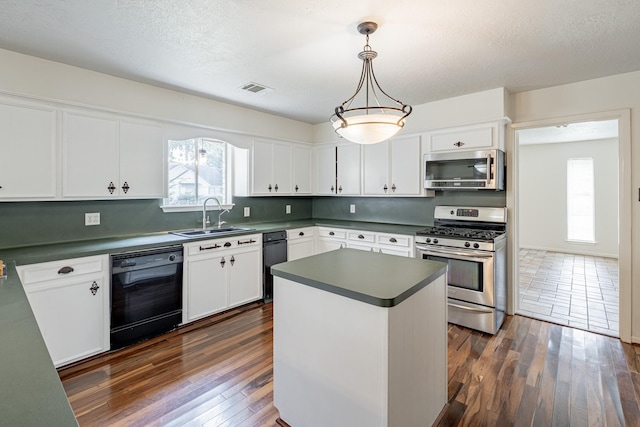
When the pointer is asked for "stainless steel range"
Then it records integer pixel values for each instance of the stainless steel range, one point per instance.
(472, 241)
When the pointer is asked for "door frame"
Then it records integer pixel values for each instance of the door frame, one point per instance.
(625, 196)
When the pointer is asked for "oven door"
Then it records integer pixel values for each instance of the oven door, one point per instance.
(470, 273)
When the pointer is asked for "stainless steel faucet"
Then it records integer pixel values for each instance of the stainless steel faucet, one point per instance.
(205, 219)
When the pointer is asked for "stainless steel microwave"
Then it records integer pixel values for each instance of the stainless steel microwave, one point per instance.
(465, 170)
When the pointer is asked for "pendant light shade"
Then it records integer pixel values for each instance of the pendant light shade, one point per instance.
(372, 123)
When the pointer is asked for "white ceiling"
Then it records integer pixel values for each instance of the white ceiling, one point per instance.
(307, 50)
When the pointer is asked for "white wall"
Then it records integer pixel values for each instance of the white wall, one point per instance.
(39, 78)
(543, 196)
(606, 94)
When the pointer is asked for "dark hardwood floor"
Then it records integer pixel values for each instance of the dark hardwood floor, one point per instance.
(218, 372)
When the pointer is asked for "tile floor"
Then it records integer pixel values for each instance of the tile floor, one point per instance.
(574, 290)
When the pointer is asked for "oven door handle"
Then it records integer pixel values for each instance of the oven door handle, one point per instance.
(462, 307)
(461, 255)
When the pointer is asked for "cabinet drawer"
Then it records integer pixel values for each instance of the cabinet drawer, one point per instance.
(219, 245)
(362, 236)
(398, 240)
(332, 232)
(36, 273)
(483, 137)
(300, 233)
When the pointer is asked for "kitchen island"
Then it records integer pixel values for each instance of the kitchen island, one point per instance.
(360, 339)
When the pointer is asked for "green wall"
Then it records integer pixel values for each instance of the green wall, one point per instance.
(31, 223)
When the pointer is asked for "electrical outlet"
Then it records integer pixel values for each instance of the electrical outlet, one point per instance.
(247, 211)
(352, 209)
(92, 218)
(287, 209)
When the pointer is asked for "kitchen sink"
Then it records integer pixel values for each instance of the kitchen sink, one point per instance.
(210, 231)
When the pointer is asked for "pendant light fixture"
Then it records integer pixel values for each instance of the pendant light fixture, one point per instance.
(372, 123)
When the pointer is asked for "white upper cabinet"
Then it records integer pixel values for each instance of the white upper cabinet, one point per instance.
(476, 137)
(392, 167)
(142, 165)
(325, 168)
(348, 167)
(301, 170)
(271, 168)
(104, 157)
(28, 157)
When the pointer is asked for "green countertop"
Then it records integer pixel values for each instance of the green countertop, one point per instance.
(30, 390)
(370, 277)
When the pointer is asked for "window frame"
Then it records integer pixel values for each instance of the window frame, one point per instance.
(228, 179)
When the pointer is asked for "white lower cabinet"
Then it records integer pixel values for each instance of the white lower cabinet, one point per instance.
(330, 239)
(220, 274)
(391, 244)
(70, 301)
(300, 243)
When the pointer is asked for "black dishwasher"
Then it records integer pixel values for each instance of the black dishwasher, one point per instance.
(146, 294)
(274, 251)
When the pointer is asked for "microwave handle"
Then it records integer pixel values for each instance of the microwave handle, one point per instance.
(491, 167)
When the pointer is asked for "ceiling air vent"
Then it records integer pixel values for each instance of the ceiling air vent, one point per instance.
(256, 88)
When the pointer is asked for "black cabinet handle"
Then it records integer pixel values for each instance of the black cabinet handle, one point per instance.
(296, 188)
(227, 244)
(125, 187)
(458, 144)
(269, 187)
(360, 236)
(301, 233)
(385, 188)
(65, 270)
(246, 242)
(94, 288)
(332, 189)
(393, 240)
(206, 248)
(111, 187)
(393, 188)
(222, 262)
(276, 187)
(331, 233)
(232, 260)
(340, 189)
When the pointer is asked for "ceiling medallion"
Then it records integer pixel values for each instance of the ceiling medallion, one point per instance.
(372, 123)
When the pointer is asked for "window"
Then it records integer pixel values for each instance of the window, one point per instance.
(197, 170)
(580, 200)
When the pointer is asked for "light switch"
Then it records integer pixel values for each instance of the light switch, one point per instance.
(247, 211)
(287, 209)
(352, 208)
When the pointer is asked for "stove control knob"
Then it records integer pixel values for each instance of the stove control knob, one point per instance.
(428, 240)
(476, 245)
(435, 240)
(172, 257)
(467, 244)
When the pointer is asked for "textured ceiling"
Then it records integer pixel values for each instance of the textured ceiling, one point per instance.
(307, 50)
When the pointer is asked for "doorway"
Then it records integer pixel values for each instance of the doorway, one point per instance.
(567, 252)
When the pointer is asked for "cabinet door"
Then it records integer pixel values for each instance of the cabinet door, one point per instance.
(297, 249)
(348, 169)
(464, 138)
(262, 168)
(206, 286)
(282, 169)
(90, 156)
(406, 164)
(376, 168)
(142, 162)
(28, 158)
(325, 158)
(301, 170)
(245, 279)
(326, 245)
(71, 318)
